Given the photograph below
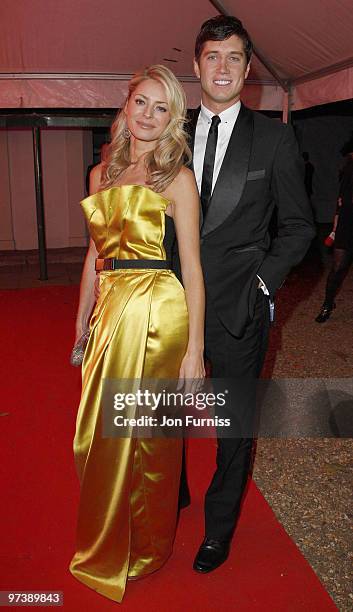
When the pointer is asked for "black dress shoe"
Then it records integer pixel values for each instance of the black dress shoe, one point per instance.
(211, 555)
(325, 313)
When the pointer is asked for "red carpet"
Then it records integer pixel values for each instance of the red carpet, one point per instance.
(40, 393)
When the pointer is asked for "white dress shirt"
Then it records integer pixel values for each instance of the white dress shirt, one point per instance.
(228, 119)
(225, 128)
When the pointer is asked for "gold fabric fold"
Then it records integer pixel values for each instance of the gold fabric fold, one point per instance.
(139, 329)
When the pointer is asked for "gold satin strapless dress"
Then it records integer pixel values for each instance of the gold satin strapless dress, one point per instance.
(139, 329)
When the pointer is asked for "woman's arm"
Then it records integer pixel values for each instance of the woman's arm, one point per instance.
(186, 213)
(87, 298)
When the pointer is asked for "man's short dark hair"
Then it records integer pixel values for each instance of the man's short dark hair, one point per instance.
(221, 28)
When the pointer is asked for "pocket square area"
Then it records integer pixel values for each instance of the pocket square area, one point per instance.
(256, 174)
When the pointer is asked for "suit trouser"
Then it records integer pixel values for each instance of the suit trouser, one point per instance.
(242, 359)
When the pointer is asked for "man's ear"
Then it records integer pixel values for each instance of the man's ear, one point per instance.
(197, 68)
(247, 70)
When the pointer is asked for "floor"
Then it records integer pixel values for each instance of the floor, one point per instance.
(307, 479)
(20, 269)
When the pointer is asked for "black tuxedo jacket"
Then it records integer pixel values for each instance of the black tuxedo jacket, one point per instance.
(262, 169)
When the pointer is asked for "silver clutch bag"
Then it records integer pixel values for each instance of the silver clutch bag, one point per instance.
(78, 351)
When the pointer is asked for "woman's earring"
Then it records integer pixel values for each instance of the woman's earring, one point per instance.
(126, 133)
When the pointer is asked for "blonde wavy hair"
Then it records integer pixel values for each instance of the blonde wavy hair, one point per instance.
(171, 151)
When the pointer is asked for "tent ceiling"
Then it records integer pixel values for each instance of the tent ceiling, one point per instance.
(86, 40)
(46, 36)
(300, 37)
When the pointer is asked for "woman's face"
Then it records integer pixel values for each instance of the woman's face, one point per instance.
(147, 111)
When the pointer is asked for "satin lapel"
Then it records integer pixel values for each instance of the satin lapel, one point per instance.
(232, 175)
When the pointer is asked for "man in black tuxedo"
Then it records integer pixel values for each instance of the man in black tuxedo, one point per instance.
(245, 165)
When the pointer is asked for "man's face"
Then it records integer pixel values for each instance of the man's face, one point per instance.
(222, 70)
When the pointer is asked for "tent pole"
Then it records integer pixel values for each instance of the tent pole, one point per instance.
(223, 11)
(39, 204)
(287, 105)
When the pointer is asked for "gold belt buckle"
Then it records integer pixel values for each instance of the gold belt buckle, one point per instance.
(99, 265)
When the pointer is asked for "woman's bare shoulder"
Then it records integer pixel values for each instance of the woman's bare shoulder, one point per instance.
(184, 180)
(95, 178)
(185, 175)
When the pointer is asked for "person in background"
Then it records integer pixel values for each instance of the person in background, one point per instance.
(341, 237)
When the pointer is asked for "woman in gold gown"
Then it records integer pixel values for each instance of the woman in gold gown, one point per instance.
(144, 326)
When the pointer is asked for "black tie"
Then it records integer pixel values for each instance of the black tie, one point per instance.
(208, 163)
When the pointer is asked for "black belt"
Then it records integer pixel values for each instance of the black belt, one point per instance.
(132, 264)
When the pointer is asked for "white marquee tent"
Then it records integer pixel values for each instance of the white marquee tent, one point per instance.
(81, 53)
